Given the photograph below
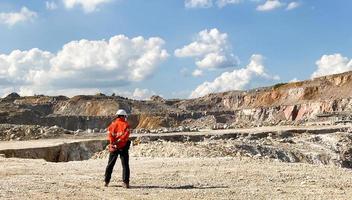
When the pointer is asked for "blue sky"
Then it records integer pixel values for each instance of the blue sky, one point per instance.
(253, 46)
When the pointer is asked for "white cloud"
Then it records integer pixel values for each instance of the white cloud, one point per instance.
(332, 64)
(197, 73)
(19, 67)
(28, 91)
(198, 3)
(4, 91)
(50, 5)
(87, 5)
(137, 93)
(235, 80)
(13, 18)
(211, 50)
(209, 3)
(82, 65)
(270, 5)
(294, 80)
(292, 5)
(142, 94)
(223, 3)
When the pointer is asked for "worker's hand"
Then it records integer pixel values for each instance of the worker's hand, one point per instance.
(114, 146)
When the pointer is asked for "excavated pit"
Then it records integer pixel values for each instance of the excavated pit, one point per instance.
(288, 147)
(322, 145)
(64, 152)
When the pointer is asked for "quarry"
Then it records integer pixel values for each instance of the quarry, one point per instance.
(287, 141)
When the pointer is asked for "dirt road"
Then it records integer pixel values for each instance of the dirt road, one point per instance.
(174, 178)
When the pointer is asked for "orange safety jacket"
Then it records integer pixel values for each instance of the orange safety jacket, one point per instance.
(119, 130)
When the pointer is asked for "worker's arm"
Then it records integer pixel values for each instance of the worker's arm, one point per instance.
(126, 134)
(111, 137)
(113, 141)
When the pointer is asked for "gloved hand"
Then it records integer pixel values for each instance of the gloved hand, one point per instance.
(112, 148)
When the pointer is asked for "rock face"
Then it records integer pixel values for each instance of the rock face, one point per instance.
(74, 151)
(290, 103)
(157, 99)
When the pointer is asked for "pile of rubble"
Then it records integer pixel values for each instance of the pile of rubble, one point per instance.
(208, 148)
(89, 130)
(333, 148)
(161, 148)
(166, 130)
(30, 132)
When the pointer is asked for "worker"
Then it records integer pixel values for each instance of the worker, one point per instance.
(119, 144)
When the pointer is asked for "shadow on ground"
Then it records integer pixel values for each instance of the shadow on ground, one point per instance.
(182, 187)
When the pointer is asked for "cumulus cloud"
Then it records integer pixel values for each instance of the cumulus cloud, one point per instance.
(223, 3)
(198, 3)
(83, 64)
(294, 80)
(332, 64)
(292, 5)
(50, 5)
(235, 80)
(87, 5)
(12, 18)
(209, 3)
(137, 93)
(142, 94)
(197, 73)
(211, 50)
(270, 5)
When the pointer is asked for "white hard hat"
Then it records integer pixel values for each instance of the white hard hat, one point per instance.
(121, 112)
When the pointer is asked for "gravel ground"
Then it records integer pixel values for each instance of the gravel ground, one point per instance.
(174, 178)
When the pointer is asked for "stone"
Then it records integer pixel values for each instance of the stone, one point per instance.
(13, 95)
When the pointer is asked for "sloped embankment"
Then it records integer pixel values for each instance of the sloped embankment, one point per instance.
(314, 146)
(318, 145)
(281, 104)
(56, 151)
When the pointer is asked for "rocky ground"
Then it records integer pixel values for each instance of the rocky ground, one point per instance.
(174, 178)
(288, 146)
(226, 164)
(30, 132)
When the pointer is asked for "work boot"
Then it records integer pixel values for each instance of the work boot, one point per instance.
(125, 185)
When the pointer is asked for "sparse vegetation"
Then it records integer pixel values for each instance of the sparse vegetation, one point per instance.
(276, 86)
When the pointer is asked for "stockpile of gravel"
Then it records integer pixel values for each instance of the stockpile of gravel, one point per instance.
(161, 148)
(29, 132)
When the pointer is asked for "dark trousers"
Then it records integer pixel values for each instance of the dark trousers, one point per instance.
(124, 157)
